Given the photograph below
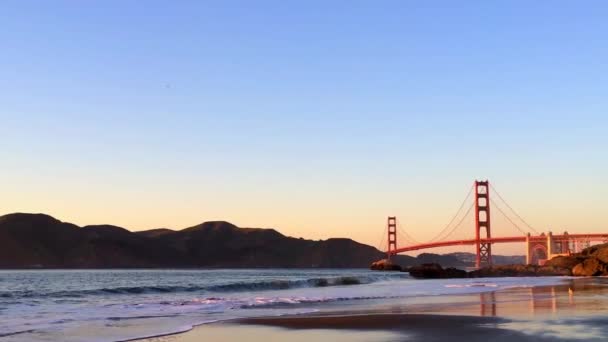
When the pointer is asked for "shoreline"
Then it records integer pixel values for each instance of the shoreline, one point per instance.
(521, 313)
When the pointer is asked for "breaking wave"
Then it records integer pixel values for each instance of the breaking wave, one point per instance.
(241, 286)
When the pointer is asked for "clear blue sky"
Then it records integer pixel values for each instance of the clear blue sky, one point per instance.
(316, 117)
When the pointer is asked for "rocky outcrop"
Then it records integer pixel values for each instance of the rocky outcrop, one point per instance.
(519, 271)
(385, 265)
(592, 261)
(595, 262)
(565, 261)
(601, 253)
(435, 271)
(590, 267)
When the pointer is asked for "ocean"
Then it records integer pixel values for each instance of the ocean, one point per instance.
(119, 305)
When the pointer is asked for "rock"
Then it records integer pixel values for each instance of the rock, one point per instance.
(426, 271)
(602, 253)
(519, 271)
(593, 249)
(565, 261)
(548, 270)
(435, 271)
(384, 265)
(504, 271)
(592, 261)
(452, 272)
(590, 267)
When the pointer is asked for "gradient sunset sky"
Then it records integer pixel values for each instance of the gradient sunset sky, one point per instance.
(318, 118)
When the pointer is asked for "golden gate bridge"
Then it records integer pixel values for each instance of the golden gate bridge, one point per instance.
(539, 246)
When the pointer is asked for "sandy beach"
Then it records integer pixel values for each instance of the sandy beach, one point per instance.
(574, 311)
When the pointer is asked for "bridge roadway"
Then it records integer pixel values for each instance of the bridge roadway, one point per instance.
(511, 239)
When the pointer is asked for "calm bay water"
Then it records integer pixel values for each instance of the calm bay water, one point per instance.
(115, 305)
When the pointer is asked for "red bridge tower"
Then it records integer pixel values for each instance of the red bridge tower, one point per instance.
(392, 236)
(482, 222)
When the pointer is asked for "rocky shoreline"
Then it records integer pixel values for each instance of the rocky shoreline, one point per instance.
(592, 261)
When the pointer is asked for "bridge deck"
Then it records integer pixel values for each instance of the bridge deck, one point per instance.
(510, 239)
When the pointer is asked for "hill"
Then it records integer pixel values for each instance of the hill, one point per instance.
(469, 259)
(41, 241)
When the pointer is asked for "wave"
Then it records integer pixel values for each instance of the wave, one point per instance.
(13, 333)
(242, 286)
(213, 303)
(288, 302)
(103, 291)
(289, 284)
(462, 286)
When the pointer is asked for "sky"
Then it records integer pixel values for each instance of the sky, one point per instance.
(317, 118)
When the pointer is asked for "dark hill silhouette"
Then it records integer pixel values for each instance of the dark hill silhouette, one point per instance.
(41, 241)
(155, 232)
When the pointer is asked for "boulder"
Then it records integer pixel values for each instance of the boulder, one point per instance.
(565, 261)
(504, 271)
(590, 267)
(592, 261)
(385, 265)
(519, 271)
(548, 270)
(589, 251)
(435, 271)
(452, 272)
(602, 254)
(426, 271)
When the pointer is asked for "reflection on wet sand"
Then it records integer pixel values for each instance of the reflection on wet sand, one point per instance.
(575, 310)
(573, 297)
(581, 296)
(487, 304)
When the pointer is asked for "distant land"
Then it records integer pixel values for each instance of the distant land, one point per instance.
(41, 241)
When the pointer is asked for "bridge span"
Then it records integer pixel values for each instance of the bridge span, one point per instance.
(539, 247)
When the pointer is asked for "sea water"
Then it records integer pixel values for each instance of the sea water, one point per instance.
(118, 305)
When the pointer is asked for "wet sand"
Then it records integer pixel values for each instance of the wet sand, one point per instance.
(575, 311)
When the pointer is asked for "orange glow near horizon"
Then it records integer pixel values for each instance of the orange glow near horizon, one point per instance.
(361, 217)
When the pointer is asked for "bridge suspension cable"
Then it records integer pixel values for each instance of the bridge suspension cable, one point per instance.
(507, 217)
(445, 229)
(408, 238)
(512, 210)
(383, 241)
(459, 223)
